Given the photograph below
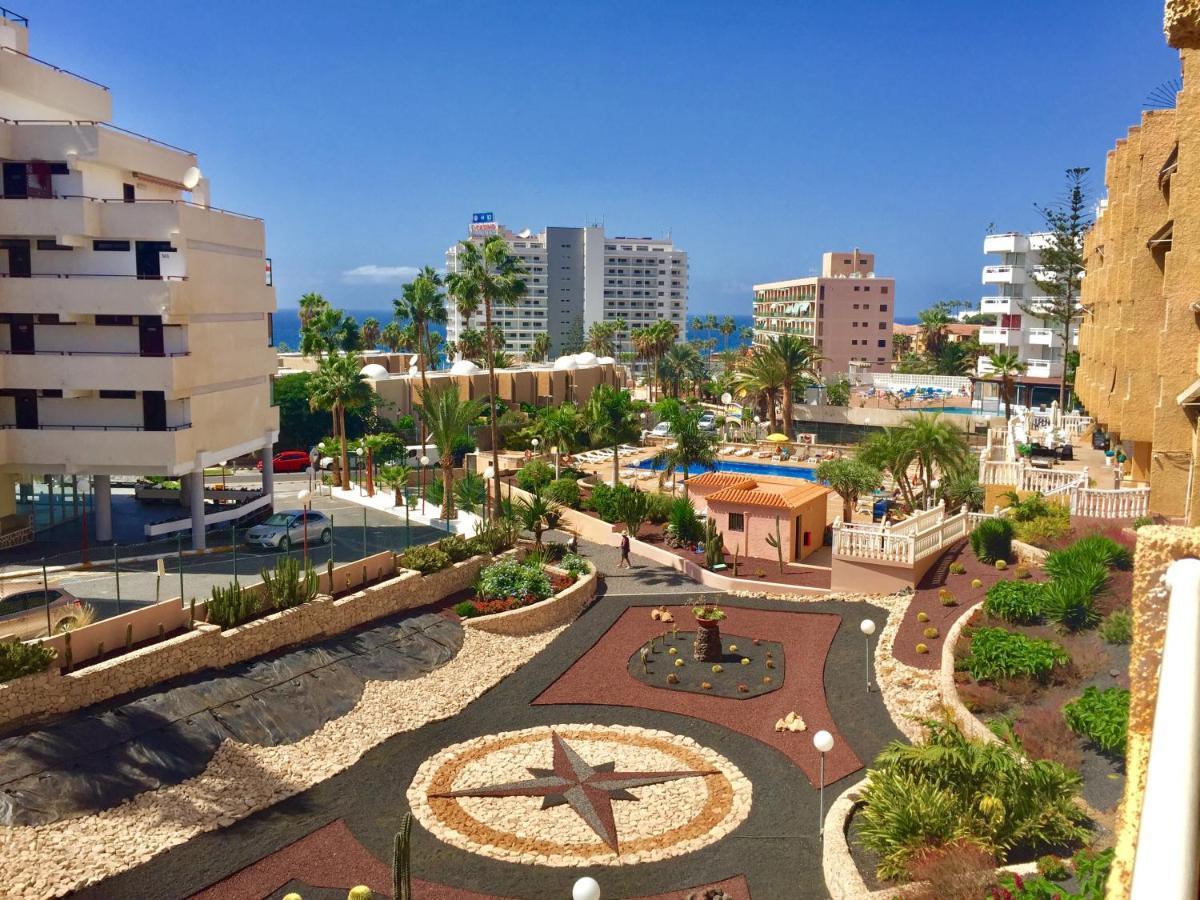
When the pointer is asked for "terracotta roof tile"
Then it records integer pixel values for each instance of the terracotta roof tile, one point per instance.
(721, 480)
(780, 498)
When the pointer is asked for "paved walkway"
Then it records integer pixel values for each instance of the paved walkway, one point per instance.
(775, 845)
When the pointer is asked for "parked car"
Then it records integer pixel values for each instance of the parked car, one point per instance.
(662, 429)
(288, 461)
(708, 421)
(283, 530)
(23, 610)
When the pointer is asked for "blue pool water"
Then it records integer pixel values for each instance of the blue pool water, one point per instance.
(746, 468)
(966, 411)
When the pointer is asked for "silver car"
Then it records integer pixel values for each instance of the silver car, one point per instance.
(286, 529)
(23, 610)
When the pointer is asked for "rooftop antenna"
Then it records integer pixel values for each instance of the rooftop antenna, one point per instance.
(1163, 96)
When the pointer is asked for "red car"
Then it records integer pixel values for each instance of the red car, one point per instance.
(288, 461)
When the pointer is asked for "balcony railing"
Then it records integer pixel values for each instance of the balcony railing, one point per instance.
(105, 126)
(122, 201)
(12, 426)
(42, 62)
(136, 354)
(14, 17)
(96, 275)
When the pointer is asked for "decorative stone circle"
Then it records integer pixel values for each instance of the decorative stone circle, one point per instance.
(578, 795)
(762, 673)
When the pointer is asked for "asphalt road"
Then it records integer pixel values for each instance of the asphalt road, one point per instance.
(139, 584)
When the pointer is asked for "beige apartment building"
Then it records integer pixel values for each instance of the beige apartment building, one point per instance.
(1139, 342)
(846, 311)
(134, 317)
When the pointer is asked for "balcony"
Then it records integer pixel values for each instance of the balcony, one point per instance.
(1043, 368)
(1012, 242)
(95, 141)
(28, 76)
(1044, 337)
(96, 448)
(1005, 337)
(67, 295)
(91, 371)
(1000, 306)
(1003, 274)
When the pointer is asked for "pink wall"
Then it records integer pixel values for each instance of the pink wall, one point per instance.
(838, 329)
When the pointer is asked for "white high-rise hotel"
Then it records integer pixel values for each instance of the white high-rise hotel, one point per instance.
(1015, 273)
(578, 276)
(134, 318)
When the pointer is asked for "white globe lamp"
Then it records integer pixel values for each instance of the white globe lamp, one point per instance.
(586, 889)
(823, 741)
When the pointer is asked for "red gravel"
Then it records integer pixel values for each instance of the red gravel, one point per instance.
(601, 676)
(332, 857)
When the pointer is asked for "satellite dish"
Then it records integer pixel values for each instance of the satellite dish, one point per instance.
(727, 398)
(191, 178)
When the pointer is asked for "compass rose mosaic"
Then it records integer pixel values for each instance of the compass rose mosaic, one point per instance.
(580, 794)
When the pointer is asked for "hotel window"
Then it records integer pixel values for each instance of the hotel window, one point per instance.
(737, 521)
(883, 326)
(883, 306)
(883, 343)
(883, 290)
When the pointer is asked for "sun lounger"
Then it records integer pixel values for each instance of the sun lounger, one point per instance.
(763, 454)
(745, 451)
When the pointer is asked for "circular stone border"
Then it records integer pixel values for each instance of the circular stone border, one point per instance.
(725, 807)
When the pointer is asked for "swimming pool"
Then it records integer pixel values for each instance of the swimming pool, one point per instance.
(965, 411)
(746, 468)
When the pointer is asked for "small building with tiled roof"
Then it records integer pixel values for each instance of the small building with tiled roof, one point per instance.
(700, 486)
(747, 513)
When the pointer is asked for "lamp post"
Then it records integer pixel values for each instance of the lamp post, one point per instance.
(823, 741)
(534, 443)
(304, 497)
(586, 889)
(488, 474)
(424, 464)
(757, 423)
(361, 487)
(643, 415)
(867, 627)
(554, 450)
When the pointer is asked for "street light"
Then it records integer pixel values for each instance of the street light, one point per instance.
(534, 443)
(488, 474)
(823, 741)
(359, 454)
(424, 462)
(304, 497)
(554, 450)
(867, 627)
(586, 889)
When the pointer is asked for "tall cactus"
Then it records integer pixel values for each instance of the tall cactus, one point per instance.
(284, 586)
(714, 544)
(775, 541)
(401, 861)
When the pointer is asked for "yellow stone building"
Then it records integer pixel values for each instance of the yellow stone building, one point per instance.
(1139, 370)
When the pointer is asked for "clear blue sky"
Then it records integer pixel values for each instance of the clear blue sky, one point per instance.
(759, 134)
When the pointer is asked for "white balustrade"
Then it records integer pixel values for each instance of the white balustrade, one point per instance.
(1118, 503)
(930, 531)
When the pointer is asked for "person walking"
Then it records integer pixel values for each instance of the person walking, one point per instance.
(624, 563)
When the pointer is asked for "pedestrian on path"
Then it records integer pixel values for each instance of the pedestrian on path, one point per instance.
(624, 563)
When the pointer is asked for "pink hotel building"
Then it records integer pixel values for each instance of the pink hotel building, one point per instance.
(846, 311)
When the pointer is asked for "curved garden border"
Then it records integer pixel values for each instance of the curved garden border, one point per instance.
(966, 720)
(559, 609)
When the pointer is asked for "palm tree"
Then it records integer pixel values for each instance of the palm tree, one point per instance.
(602, 338)
(679, 365)
(849, 478)
(933, 322)
(938, 446)
(892, 451)
(540, 350)
(559, 426)
(392, 336)
(489, 273)
(727, 328)
(370, 333)
(396, 477)
(690, 445)
(760, 377)
(710, 325)
(797, 361)
(746, 335)
(336, 386)
(611, 421)
(697, 325)
(536, 514)
(471, 344)
(1006, 367)
(422, 304)
(450, 419)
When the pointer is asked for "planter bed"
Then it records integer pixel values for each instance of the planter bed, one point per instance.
(748, 566)
(568, 600)
(121, 650)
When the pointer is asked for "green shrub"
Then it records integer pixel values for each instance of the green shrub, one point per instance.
(563, 491)
(465, 610)
(1141, 521)
(998, 653)
(1117, 628)
(17, 659)
(1052, 868)
(495, 537)
(683, 525)
(534, 475)
(575, 565)
(992, 540)
(231, 606)
(286, 588)
(603, 501)
(457, 548)
(426, 559)
(1015, 601)
(950, 788)
(1091, 870)
(1044, 530)
(1070, 599)
(658, 507)
(555, 551)
(632, 508)
(435, 490)
(510, 579)
(1094, 548)
(1100, 716)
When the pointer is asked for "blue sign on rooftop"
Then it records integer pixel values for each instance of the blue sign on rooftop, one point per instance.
(476, 218)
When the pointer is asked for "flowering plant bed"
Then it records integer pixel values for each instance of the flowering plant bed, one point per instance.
(511, 584)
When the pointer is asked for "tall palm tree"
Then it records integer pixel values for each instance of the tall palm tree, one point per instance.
(728, 327)
(664, 334)
(934, 322)
(1006, 366)
(489, 273)
(746, 335)
(392, 336)
(540, 350)
(797, 361)
(939, 448)
(690, 445)
(892, 451)
(421, 303)
(697, 325)
(370, 333)
(336, 386)
(611, 421)
(640, 339)
(559, 426)
(602, 338)
(710, 325)
(680, 365)
(760, 376)
(450, 419)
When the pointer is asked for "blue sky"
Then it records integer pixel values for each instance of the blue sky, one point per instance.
(759, 134)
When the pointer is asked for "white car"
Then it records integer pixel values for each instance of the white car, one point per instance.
(662, 429)
(708, 421)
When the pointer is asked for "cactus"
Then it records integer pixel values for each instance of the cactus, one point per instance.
(776, 542)
(921, 648)
(284, 587)
(735, 560)
(329, 573)
(231, 606)
(192, 615)
(161, 631)
(930, 633)
(129, 637)
(68, 657)
(922, 617)
(401, 861)
(100, 649)
(714, 545)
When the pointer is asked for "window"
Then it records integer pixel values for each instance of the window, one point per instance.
(883, 326)
(118, 395)
(883, 343)
(884, 289)
(118, 246)
(51, 244)
(883, 306)
(114, 320)
(856, 306)
(737, 522)
(857, 288)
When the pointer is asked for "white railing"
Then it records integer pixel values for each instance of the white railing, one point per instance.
(993, 472)
(1117, 503)
(1046, 480)
(893, 380)
(1166, 861)
(930, 532)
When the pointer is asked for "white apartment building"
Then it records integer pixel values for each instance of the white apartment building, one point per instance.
(578, 276)
(135, 319)
(1014, 274)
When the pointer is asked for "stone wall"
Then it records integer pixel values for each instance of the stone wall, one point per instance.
(207, 646)
(560, 609)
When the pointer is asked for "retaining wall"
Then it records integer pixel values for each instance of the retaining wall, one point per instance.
(560, 609)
